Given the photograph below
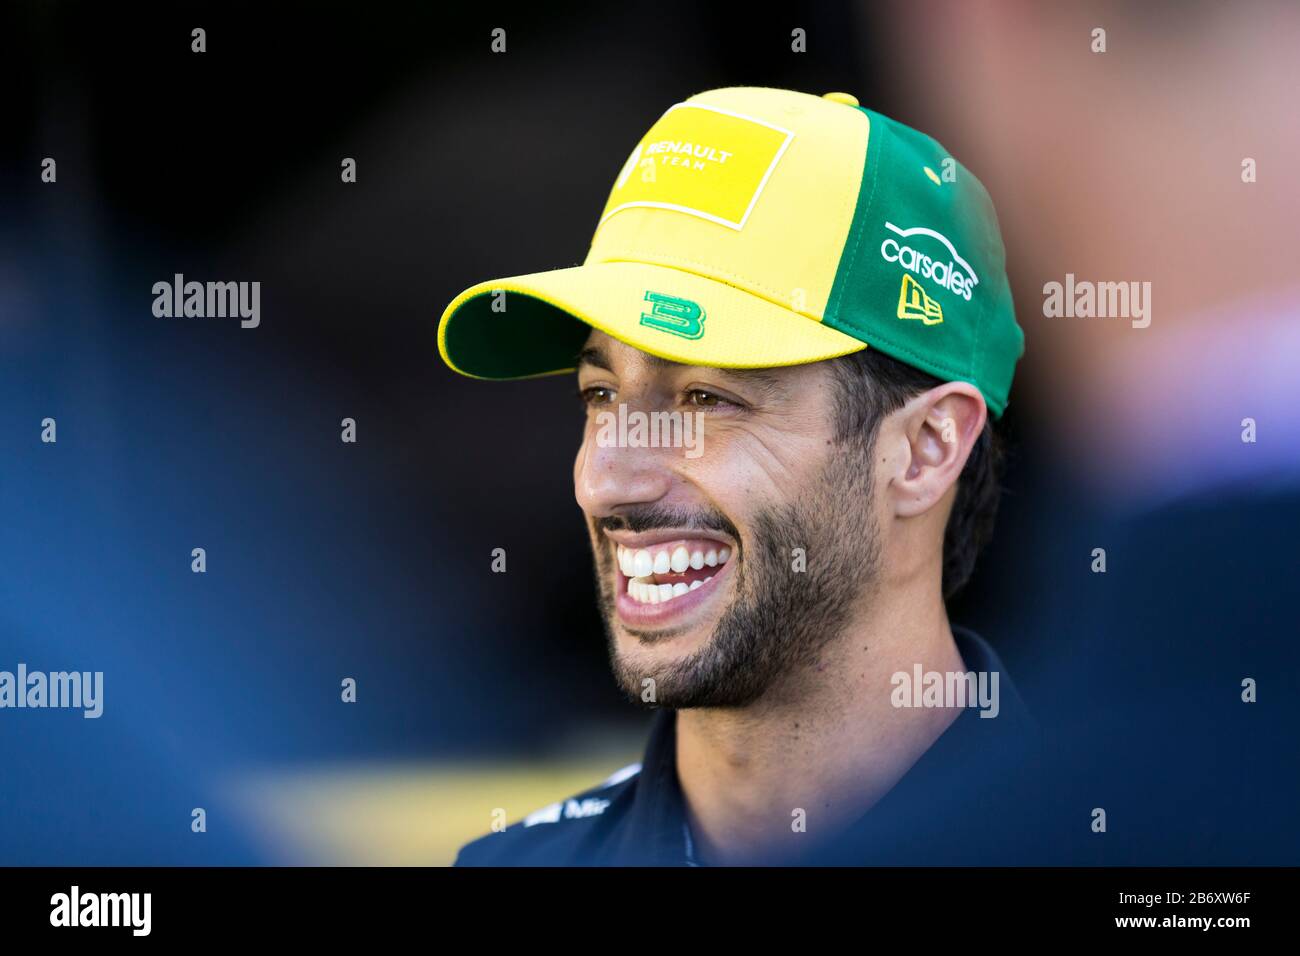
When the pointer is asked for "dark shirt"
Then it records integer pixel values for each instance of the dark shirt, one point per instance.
(971, 798)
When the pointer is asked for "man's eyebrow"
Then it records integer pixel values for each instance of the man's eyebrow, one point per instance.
(591, 355)
(769, 381)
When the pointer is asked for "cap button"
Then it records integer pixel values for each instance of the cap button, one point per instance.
(848, 99)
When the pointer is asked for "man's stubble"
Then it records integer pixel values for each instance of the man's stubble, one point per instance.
(780, 620)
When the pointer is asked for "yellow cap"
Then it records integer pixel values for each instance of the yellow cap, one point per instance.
(752, 227)
(730, 215)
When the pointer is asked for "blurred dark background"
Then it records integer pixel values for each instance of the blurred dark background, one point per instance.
(372, 560)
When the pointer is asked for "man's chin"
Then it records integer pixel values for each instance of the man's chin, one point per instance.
(656, 651)
(661, 642)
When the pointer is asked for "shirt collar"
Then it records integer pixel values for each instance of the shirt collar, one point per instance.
(658, 832)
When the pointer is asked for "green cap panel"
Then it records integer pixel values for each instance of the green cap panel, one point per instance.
(923, 272)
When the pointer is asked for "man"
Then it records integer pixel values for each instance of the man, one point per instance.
(822, 291)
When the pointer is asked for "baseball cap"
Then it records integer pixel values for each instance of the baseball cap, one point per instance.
(754, 227)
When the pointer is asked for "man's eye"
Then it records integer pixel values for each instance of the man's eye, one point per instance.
(596, 395)
(704, 399)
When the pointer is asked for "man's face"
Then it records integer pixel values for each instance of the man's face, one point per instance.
(723, 573)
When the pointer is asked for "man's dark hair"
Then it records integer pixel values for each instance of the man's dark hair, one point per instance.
(872, 385)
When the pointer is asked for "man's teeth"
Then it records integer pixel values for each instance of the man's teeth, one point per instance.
(659, 593)
(639, 563)
(642, 563)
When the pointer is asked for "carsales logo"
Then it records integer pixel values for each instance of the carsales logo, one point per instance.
(951, 271)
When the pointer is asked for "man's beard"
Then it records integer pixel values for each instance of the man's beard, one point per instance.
(780, 620)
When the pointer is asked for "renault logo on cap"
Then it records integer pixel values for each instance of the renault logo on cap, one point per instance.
(702, 160)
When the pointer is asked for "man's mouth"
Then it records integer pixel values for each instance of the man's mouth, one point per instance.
(663, 572)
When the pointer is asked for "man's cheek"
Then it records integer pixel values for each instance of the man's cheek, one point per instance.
(745, 468)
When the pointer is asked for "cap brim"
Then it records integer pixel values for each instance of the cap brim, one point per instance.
(540, 324)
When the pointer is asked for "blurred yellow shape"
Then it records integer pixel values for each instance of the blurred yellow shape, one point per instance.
(401, 815)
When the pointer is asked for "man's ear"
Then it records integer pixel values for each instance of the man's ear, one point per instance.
(935, 432)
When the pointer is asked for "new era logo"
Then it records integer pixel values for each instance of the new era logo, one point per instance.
(914, 303)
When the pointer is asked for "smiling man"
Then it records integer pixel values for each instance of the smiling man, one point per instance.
(824, 289)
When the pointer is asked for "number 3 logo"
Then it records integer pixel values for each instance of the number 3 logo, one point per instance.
(675, 316)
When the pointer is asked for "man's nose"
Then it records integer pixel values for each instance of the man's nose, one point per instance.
(607, 478)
